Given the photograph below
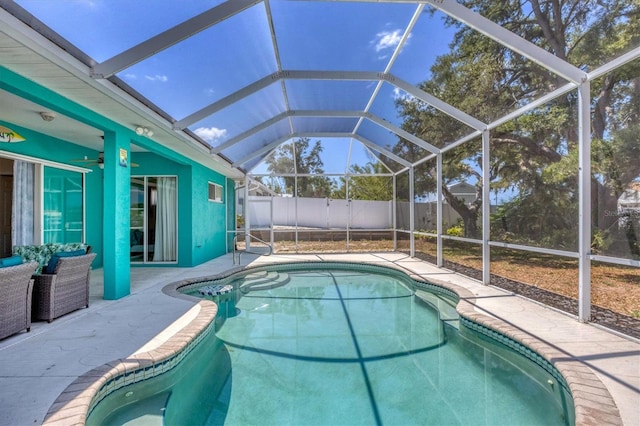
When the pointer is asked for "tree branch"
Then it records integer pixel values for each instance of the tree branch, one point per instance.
(531, 145)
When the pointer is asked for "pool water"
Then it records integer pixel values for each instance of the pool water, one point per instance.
(341, 347)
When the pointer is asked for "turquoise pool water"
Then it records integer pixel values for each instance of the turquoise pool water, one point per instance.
(341, 347)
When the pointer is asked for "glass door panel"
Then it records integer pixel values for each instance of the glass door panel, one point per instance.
(63, 206)
(137, 213)
(154, 223)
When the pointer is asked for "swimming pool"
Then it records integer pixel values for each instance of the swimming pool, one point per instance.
(342, 344)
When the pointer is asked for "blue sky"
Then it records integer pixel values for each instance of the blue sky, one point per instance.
(331, 36)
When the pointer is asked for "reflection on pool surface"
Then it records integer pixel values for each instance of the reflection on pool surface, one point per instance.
(300, 345)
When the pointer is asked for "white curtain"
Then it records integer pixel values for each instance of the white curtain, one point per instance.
(22, 211)
(166, 218)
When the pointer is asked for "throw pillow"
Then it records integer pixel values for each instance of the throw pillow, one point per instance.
(53, 262)
(10, 261)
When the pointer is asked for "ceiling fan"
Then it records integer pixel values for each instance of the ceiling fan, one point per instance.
(97, 161)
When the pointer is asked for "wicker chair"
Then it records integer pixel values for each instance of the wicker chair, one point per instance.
(64, 291)
(15, 298)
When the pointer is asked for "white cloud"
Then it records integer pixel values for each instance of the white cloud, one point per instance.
(157, 77)
(399, 94)
(387, 40)
(130, 76)
(210, 134)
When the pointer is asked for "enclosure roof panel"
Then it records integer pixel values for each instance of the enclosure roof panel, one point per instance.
(244, 76)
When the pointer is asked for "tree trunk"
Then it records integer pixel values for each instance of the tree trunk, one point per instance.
(469, 214)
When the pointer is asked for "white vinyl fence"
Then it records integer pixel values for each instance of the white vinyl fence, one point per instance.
(322, 213)
(329, 213)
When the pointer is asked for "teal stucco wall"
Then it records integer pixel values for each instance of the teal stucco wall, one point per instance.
(209, 217)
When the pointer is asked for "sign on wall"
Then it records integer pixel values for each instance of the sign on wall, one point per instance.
(8, 135)
(123, 157)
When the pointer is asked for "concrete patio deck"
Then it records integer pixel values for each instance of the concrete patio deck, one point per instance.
(36, 367)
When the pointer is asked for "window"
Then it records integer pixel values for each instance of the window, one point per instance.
(215, 192)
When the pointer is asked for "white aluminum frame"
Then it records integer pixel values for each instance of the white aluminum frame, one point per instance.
(577, 80)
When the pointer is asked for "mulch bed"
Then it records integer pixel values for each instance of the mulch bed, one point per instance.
(599, 315)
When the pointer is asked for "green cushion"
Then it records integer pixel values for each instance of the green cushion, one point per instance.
(53, 262)
(42, 253)
(10, 261)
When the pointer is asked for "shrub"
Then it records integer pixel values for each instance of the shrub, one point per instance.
(600, 241)
(456, 231)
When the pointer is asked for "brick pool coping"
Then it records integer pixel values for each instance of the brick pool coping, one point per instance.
(593, 403)
(74, 404)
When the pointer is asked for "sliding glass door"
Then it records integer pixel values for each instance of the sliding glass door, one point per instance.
(40, 203)
(63, 219)
(154, 221)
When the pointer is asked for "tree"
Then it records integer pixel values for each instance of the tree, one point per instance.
(376, 188)
(532, 154)
(298, 158)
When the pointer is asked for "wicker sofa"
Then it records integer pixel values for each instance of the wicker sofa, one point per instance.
(15, 298)
(64, 290)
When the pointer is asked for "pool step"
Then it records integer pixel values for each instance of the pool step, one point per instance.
(446, 307)
(264, 281)
(145, 412)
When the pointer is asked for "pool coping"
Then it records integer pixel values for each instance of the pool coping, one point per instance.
(593, 404)
(73, 405)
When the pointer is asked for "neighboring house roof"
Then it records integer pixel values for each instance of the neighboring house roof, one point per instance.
(258, 188)
(462, 188)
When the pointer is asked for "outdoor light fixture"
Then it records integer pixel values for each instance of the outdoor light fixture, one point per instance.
(47, 116)
(143, 131)
(100, 160)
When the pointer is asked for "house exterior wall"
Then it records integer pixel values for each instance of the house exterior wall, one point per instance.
(42, 146)
(209, 218)
(202, 225)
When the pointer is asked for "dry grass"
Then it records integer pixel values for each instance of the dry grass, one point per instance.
(612, 286)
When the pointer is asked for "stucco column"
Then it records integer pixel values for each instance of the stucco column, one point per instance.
(117, 174)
